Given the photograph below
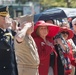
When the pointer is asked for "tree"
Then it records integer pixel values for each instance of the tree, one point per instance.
(52, 3)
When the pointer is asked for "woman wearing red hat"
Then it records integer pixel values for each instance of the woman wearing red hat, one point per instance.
(43, 32)
(67, 34)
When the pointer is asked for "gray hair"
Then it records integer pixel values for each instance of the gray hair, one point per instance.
(74, 21)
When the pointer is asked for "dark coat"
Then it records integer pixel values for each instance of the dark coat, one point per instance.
(7, 54)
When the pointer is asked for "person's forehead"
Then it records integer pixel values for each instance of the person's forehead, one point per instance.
(42, 26)
(2, 17)
(74, 24)
(7, 16)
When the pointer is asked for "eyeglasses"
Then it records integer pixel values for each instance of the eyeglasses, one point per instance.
(65, 32)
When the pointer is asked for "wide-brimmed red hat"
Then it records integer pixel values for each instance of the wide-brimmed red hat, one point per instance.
(53, 29)
(70, 35)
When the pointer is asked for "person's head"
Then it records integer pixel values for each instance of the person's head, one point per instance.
(4, 17)
(67, 33)
(74, 24)
(44, 29)
(50, 21)
(65, 24)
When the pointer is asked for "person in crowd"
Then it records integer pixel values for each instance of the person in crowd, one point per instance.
(43, 34)
(59, 51)
(74, 30)
(7, 54)
(73, 49)
(26, 49)
(67, 34)
(67, 50)
(74, 38)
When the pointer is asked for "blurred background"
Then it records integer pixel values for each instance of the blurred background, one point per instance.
(22, 7)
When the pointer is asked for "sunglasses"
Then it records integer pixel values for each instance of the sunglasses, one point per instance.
(65, 32)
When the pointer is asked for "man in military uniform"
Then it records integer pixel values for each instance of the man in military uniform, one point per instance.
(7, 55)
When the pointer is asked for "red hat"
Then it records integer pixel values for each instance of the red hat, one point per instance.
(71, 34)
(53, 29)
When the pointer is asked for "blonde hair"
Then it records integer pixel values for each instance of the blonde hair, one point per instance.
(65, 24)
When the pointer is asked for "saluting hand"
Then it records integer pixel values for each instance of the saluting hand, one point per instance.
(26, 24)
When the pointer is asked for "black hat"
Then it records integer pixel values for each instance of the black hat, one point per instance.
(4, 11)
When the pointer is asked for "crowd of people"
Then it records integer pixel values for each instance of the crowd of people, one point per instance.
(41, 48)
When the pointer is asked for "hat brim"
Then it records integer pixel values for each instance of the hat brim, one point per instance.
(53, 29)
(71, 34)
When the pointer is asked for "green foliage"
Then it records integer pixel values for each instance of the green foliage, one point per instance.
(52, 3)
(58, 0)
(58, 3)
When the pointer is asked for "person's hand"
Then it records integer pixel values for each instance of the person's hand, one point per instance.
(29, 24)
(26, 24)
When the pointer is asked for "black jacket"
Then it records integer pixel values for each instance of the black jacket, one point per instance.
(7, 54)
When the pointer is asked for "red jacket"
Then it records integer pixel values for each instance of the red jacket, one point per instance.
(44, 54)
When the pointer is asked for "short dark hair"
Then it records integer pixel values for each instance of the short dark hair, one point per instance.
(50, 19)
